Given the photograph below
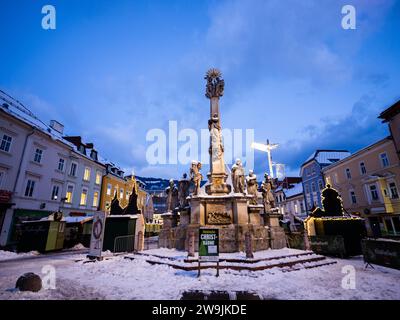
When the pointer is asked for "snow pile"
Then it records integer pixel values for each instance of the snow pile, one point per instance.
(78, 246)
(7, 255)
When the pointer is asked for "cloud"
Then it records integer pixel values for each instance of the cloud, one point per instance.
(353, 131)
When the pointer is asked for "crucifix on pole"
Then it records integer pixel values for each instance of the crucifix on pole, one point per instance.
(266, 148)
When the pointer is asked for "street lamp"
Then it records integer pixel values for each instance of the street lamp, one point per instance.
(266, 148)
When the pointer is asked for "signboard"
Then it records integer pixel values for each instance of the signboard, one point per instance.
(383, 252)
(208, 245)
(97, 238)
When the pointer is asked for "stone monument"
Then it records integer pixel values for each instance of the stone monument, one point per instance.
(235, 213)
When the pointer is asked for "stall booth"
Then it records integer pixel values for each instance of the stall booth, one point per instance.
(42, 236)
(78, 231)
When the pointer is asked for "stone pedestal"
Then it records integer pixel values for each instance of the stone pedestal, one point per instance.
(276, 233)
(218, 184)
(254, 212)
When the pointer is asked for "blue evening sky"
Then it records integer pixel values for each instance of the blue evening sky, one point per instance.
(113, 70)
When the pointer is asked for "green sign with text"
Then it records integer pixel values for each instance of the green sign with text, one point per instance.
(208, 244)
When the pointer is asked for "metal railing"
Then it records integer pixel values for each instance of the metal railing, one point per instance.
(124, 244)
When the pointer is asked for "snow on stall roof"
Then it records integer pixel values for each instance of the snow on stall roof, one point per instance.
(77, 219)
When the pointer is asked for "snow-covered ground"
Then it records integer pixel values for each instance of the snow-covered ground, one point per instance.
(7, 255)
(119, 278)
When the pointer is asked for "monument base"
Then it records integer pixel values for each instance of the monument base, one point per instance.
(232, 215)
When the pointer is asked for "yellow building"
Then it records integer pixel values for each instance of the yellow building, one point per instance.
(114, 183)
(369, 182)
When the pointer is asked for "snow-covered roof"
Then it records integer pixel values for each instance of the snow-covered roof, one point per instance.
(294, 190)
(16, 109)
(327, 157)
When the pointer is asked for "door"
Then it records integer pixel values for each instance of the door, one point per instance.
(375, 228)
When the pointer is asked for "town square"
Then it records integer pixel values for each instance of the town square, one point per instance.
(180, 151)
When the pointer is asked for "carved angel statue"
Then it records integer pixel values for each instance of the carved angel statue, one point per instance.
(216, 147)
(267, 188)
(196, 176)
(172, 196)
(183, 191)
(237, 173)
(252, 186)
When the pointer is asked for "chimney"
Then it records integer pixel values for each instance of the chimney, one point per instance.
(55, 125)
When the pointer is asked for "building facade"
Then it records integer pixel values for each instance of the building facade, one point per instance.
(116, 184)
(35, 167)
(312, 176)
(83, 178)
(290, 201)
(368, 183)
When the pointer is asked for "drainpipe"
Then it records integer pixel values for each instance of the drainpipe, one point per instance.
(22, 159)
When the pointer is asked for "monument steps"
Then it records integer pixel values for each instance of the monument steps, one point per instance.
(288, 263)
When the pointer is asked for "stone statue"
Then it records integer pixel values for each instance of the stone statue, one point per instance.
(196, 176)
(238, 177)
(267, 188)
(216, 147)
(172, 196)
(252, 187)
(215, 85)
(183, 191)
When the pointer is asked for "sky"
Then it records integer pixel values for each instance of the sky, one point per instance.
(114, 71)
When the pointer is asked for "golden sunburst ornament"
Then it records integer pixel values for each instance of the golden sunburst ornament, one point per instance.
(213, 73)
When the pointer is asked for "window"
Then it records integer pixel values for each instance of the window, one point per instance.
(61, 163)
(38, 155)
(54, 192)
(70, 192)
(5, 143)
(374, 192)
(30, 185)
(109, 189)
(313, 187)
(72, 171)
(384, 160)
(348, 174)
(115, 192)
(83, 197)
(363, 170)
(121, 193)
(307, 188)
(301, 206)
(95, 199)
(393, 190)
(98, 177)
(127, 195)
(320, 185)
(353, 197)
(86, 175)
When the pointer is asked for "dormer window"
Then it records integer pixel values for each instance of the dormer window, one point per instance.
(93, 154)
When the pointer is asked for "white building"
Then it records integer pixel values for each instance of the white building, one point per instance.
(40, 169)
(291, 204)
